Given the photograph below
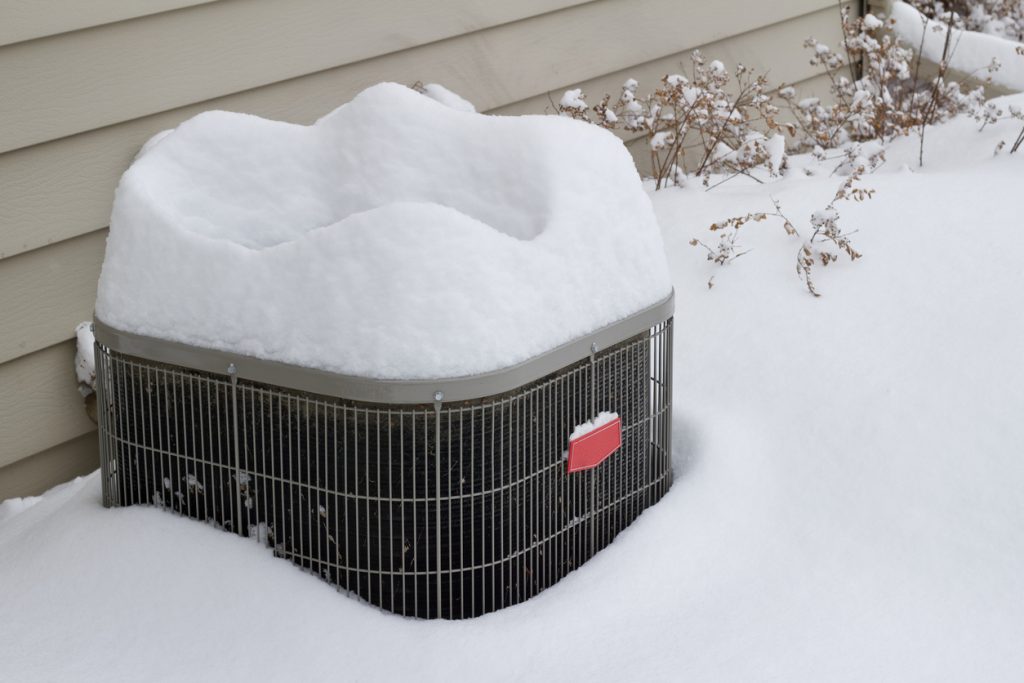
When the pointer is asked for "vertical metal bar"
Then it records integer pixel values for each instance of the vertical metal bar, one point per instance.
(346, 457)
(338, 496)
(391, 516)
(291, 482)
(152, 443)
(474, 485)
(314, 492)
(406, 544)
(164, 444)
(233, 374)
(495, 534)
(592, 474)
(380, 516)
(451, 545)
(548, 450)
(516, 493)
(281, 505)
(414, 541)
(502, 501)
(265, 515)
(214, 435)
(437, 497)
(104, 416)
(180, 447)
(462, 515)
(191, 452)
(367, 561)
(535, 468)
(306, 513)
(357, 564)
(666, 437)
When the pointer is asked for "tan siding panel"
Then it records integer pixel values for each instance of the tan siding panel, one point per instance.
(64, 188)
(778, 47)
(27, 19)
(39, 403)
(37, 473)
(47, 292)
(86, 79)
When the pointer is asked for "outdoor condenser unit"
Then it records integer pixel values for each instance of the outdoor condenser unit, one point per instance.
(423, 353)
(428, 498)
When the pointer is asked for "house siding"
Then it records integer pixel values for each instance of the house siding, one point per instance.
(85, 84)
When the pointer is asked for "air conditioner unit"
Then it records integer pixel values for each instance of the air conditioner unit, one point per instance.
(430, 494)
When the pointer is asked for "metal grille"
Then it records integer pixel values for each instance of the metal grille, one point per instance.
(446, 510)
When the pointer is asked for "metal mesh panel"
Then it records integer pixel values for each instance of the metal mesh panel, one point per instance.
(447, 510)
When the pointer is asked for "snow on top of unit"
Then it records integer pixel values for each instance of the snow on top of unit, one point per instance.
(394, 238)
(972, 51)
(446, 97)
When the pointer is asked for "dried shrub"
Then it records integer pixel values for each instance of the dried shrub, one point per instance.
(878, 90)
(994, 112)
(693, 125)
(827, 239)
(706, 122)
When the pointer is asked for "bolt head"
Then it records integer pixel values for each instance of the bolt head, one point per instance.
(593, 347)
(438, 395)
(232, 369)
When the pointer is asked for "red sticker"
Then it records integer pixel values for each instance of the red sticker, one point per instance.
(594, 447)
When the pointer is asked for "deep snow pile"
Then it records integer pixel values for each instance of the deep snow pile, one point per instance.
(972, 52)
(396, 237)
(847, 504)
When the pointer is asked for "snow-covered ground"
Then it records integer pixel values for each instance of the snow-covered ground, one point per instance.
(847, 507)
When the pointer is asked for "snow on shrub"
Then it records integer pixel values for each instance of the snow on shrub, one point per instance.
(702, 123)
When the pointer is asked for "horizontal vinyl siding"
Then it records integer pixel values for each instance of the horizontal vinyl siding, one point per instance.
(32, 476)
(79, 103)
(40, 403)
(775, 49)
(27, 19)
(97, 77)
(47, 292)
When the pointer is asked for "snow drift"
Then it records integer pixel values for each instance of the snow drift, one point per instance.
(396, 237)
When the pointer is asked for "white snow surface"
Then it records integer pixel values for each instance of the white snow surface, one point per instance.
(972, 51)
(847, 503)
(394, 238)
(438, 92)
(872, 23)
(603, 418)
(573, 99)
